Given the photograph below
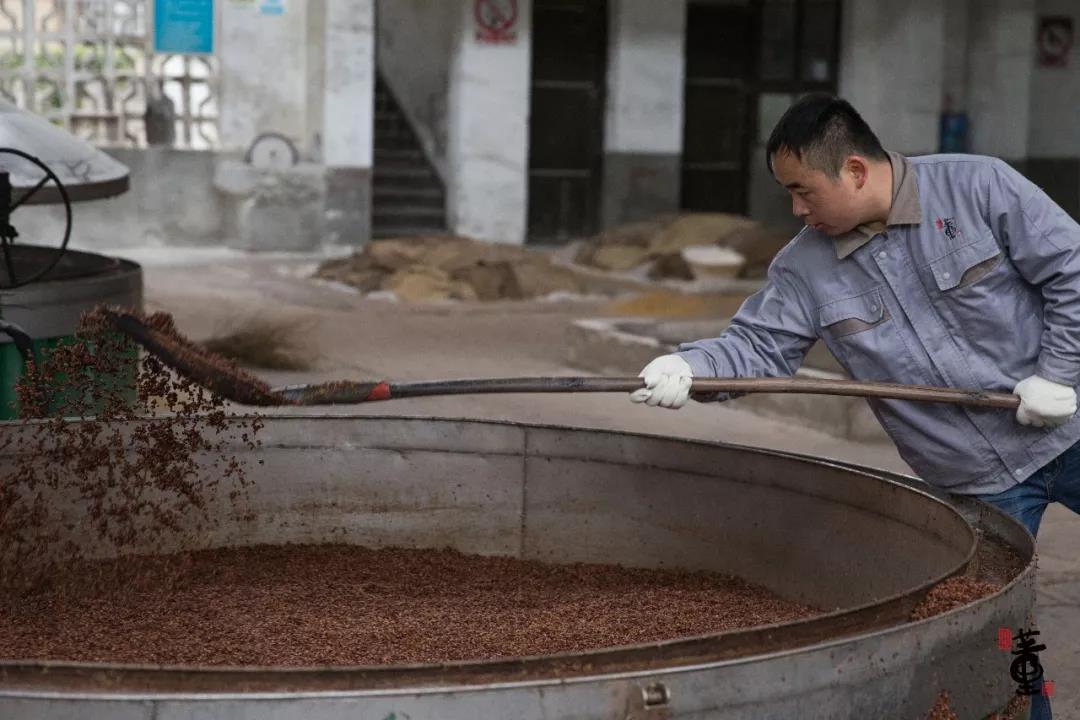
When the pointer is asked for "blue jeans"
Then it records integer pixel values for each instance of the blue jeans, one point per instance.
(1059, 482)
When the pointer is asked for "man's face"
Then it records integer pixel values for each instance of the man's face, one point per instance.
(827, 204)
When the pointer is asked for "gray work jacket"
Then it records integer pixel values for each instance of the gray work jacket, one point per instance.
(973, 282)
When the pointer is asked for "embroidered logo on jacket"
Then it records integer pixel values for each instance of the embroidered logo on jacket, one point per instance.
(948, 226)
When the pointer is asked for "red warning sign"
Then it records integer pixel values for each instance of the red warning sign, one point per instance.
(496, 21)
(1054, 40)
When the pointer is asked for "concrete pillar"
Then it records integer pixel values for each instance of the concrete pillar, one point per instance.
(644, 114)
(316, 77)
(267, 74)
(1053, 131)
(347, 118)
(1000, 60)
(1055, 94)
(488, 131)
(892, 57)
(263, 74)
(308, 73)
(955, 72)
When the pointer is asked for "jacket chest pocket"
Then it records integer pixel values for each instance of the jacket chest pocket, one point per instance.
(977, 294)
(859, 332)
(854, 315)
(967, 270)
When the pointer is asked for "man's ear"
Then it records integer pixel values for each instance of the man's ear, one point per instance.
(859, 170)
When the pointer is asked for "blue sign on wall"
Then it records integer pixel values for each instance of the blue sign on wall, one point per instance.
(272, 7)
(184, 26)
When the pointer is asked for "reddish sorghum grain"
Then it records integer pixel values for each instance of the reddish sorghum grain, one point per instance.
(130, 465)
(336, 604)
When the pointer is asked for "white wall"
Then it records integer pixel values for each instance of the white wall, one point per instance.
(416, 41)
(264, 74)
(349, 82)
(488, 131)
(645, 77)
(308, 73)
(1000, 61)
(892, 56)
(1054, 127)
(172, 202)
(316, 77)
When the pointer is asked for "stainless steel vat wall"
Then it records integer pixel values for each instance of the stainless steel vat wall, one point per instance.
(834, 536)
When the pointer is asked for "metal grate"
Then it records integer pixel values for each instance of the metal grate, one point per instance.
(89, 66)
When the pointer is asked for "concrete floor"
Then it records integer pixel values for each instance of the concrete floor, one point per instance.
(353, 337)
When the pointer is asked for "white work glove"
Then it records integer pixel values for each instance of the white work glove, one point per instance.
(667, 383)
(1044, 403)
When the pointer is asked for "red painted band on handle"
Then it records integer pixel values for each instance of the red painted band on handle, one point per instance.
(379, 392)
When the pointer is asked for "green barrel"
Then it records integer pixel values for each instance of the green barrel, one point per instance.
(49, 310)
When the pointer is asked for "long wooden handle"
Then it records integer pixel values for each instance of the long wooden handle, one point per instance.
(227, 381)
(347, 393)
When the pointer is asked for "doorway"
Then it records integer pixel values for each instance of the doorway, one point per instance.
(566, 126)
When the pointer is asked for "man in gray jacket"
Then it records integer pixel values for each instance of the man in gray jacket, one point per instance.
(949, 270)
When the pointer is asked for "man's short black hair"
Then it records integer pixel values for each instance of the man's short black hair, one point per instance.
(822, 131)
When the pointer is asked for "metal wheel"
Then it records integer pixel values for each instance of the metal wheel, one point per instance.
(12, 277)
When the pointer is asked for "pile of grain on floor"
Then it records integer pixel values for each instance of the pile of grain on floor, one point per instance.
(658, 244)
(449, 267)
(336, 604)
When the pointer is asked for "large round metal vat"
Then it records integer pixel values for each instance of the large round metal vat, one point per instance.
(822, 533)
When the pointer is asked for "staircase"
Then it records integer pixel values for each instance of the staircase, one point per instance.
(407, 194)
